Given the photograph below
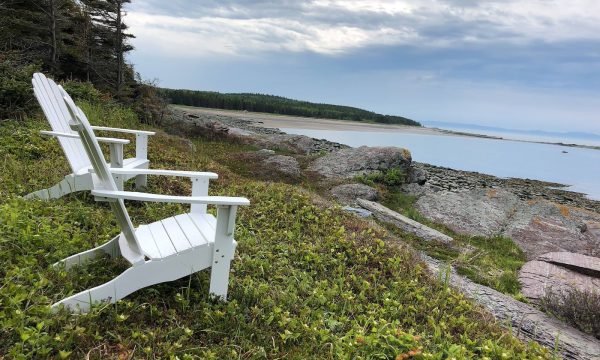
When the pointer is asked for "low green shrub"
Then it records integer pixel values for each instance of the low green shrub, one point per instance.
(83, 91)
(391, 177)
(16, 97)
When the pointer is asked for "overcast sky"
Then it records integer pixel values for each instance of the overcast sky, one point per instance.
(525, 64)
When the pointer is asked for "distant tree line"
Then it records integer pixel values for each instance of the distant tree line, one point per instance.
(278, 105)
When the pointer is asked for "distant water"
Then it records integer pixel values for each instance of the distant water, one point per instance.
(579, 168)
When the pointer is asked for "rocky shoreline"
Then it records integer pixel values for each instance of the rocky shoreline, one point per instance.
(554, 228)
(442, 178)
(438, 177)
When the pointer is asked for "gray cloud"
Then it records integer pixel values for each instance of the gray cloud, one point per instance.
(237, 27)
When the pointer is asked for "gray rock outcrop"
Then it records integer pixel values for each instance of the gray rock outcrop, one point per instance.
(558, 272)
(284, 164)
(351, 162)
(478, 212)
(348, 193)
(537, 227)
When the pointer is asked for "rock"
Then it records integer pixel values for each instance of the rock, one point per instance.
(404, 223)
(358, 211)
(284, 164)
(540, 227)
(348, 163)
(476, 212)
(587, 265)
(537, 277)
(416, 175)
(265, 152)
(537, 227)
(233, 131)
(525, 321)
(348, 193)
(418, 190)
(298, 144)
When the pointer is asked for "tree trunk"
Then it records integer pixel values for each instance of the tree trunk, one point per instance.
(53, 49)
(119, 49)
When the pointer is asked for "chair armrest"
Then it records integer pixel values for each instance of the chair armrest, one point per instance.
(189, 174)
(75, 136)
(125, 131)
(139, 196)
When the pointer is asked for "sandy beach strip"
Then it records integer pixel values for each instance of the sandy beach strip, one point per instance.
(297, 122)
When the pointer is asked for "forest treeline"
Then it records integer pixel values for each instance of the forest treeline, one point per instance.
(278, 105)
(75, 40)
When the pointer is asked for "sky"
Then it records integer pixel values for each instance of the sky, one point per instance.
(522, 64)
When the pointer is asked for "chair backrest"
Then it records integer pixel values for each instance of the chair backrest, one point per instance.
(50, 98)
(79, 123)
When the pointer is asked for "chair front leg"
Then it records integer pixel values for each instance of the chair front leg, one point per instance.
(222, 251)
(116, 161)
(141, 152)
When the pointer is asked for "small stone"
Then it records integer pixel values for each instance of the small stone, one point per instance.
(284, 164)
(348, 193)
(358, 211)
(266, 152)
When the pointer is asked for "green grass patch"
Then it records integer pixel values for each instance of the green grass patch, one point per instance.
(306, 282)
(494, 261)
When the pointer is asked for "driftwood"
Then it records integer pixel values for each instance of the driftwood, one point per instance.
(404, 223)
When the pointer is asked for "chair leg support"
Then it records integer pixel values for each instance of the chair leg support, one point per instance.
(111, 248)
(64, 187)
(69, 184)
(138, 277)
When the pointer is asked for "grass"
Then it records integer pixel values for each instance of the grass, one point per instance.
(493, 261)
(306, 282)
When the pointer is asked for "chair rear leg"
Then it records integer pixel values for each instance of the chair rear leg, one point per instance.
(141, 182)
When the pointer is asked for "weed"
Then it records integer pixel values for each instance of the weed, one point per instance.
(579, 308)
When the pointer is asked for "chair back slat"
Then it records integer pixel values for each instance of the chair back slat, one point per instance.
(51, 100)
(79, 123)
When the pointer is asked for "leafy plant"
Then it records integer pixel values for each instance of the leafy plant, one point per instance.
(391, 177)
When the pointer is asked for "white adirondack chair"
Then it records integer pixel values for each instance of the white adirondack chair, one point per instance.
(164, 250)
(50, 97)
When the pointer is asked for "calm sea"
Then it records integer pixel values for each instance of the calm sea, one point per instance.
(578, 168)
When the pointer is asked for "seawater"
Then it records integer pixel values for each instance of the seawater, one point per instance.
(578, 168)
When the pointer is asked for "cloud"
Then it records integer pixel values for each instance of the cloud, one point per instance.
(334, 27)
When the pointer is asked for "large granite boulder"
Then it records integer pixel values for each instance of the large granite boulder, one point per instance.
(537, 227)
(351, 162)
(348, 193)
(284, 164)
(478, 212)
(299, 144)
(559, 271)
